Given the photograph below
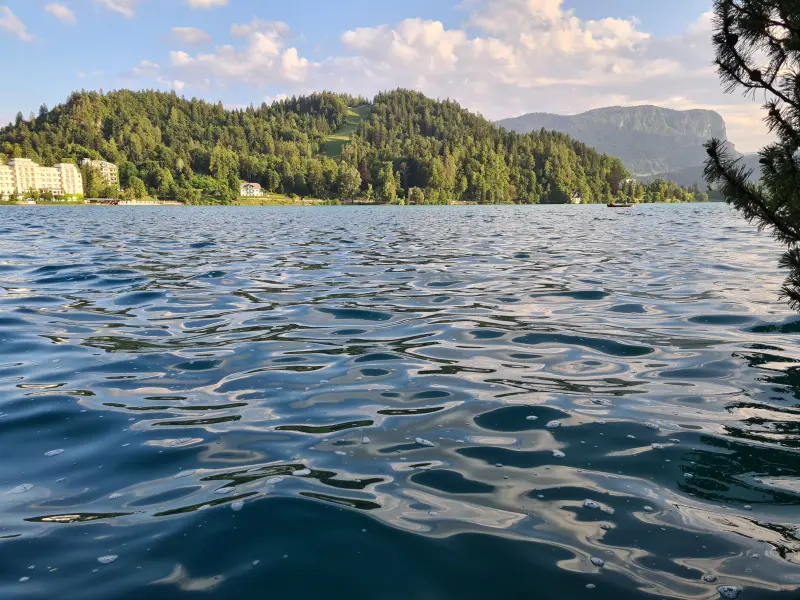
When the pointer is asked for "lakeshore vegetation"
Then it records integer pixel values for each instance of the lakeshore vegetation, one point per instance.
(399, 147)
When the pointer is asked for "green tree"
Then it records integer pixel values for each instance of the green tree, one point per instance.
(559, 195)
(189, 195)
(388, 183)
(224, 168)
(417, 196)
(93, 183)
(757, 45)
(137, 187)
(315, 179)
(349, 183)
(111, 192)
(616, 175)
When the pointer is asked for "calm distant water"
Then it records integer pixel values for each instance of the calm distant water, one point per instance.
(423, 403)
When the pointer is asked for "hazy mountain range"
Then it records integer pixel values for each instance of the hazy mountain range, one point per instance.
(651, 141)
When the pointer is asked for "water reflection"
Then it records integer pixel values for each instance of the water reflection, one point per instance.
(453, 393)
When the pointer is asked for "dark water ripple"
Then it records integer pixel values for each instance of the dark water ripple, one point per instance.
(384, 403)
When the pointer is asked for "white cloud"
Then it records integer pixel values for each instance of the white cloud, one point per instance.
(261, 59)
(126, 8)
(192, 36)
(61, 12)
(273, 99)
(11, 23)
(150, 70)
(512, 57)
(206, 3)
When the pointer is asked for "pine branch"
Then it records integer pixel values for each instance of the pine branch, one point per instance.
(788, 26)
(734, 179)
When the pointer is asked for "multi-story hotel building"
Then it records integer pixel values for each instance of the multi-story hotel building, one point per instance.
(21, 175)
(109, 171)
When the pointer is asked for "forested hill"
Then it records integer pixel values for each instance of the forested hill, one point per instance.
(434, 151)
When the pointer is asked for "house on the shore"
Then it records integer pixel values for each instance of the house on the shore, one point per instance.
(576, 198)
(250, 190)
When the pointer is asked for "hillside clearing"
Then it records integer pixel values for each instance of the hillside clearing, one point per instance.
(342, 136)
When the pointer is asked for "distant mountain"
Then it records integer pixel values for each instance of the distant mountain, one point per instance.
(650, 140)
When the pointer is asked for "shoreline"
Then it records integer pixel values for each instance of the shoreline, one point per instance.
(311, 204)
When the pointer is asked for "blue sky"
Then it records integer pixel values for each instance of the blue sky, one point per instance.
(499, 57)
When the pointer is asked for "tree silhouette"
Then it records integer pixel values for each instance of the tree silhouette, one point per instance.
(757, 45)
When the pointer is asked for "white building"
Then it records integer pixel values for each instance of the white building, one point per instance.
(109, 171)
(250, 190)
(21, 175)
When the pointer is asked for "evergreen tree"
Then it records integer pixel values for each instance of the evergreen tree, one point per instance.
(757, 45)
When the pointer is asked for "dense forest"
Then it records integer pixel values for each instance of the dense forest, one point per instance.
(408, 147)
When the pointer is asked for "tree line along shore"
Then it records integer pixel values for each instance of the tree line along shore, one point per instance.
(401, 147)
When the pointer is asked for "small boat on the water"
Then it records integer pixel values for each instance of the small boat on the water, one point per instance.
(621, 205)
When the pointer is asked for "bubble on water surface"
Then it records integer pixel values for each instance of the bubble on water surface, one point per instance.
(20, 489)
(184, 474)
(54, 452)
(225, 490)
(730, 592)
(598, 562)
(302, 473)
(554, 424)
(424, 442)
(237, 506)
(559, 454)
(107, 560)
(591, 504)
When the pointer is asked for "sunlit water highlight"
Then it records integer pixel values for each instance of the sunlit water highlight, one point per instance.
(459, 402)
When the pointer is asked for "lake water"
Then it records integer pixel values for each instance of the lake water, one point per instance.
(428, 403)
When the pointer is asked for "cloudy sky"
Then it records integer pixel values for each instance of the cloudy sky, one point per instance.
(499, 57)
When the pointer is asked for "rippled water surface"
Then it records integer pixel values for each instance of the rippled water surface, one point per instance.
(459, 402)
